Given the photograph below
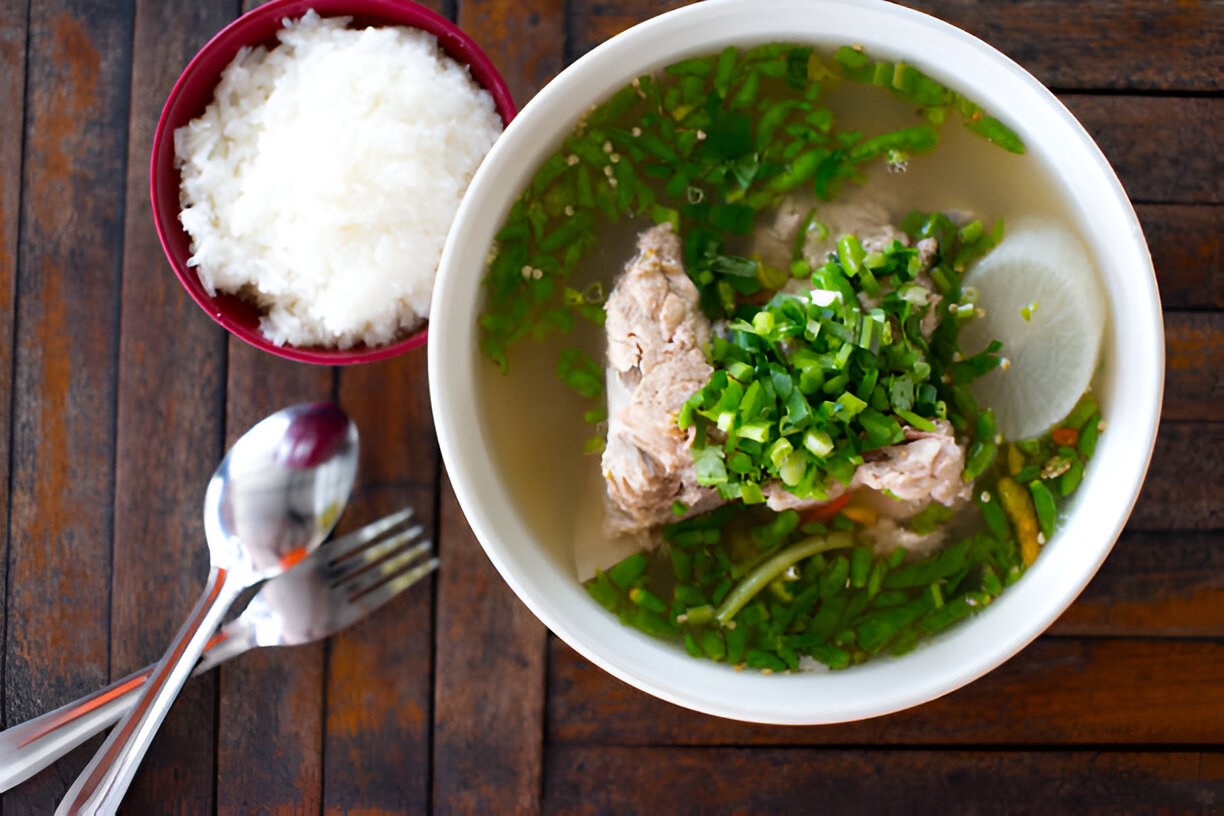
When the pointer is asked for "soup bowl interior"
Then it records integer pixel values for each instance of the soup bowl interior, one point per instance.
(194, 91)
(508, 454)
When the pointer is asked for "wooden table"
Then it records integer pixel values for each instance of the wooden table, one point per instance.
(120, 396)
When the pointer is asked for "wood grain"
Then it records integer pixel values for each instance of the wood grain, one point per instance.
(1161, 692)
(1127, 45)
(1194, 366)
(618, 780)
(489, 682)
(1184, 489)
(13, 26)
(524, 40)
(1154, 584)
(592, 22)
(170, 427)
(270, 716)
(63, 387)
(1158, 145)
(489, 674)
(379, 693)
(1185, 242)
(14, 18)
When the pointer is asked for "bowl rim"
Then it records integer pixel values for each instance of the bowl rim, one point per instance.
(1100, 520)
(227, 42)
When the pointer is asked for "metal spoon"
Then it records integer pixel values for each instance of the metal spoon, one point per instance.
(273, 499)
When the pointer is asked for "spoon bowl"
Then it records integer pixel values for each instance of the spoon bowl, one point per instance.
(280, 490)
(273, 499)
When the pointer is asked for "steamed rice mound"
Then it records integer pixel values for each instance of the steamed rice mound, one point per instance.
(321, 181)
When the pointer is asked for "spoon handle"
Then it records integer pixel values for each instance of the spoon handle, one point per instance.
(101, 786)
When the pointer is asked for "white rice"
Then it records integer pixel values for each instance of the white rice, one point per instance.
(322, 180)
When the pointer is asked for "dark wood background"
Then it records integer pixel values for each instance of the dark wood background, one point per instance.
(118, 396)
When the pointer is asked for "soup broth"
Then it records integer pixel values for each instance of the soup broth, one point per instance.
(537, 433)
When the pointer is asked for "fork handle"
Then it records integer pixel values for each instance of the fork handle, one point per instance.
(27, 748)
(101, 786)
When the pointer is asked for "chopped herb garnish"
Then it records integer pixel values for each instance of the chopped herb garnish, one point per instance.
(706, 146)
(804, 386)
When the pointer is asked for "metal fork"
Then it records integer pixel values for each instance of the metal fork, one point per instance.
(335, 586)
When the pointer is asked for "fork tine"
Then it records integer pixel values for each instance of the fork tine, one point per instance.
(346, 546)
(363, 603)
(371, 555)
(384, 568)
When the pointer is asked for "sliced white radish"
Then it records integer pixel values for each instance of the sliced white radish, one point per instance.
(1043, 300)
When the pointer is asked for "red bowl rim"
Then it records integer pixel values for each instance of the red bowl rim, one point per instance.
(225, 44)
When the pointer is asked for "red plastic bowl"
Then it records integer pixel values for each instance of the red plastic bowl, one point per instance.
(194, 91)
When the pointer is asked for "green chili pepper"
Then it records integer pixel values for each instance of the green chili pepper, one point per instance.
(995, 131)
(1070, 480)
(994, 515)
(1043, 503)
(1088, 436)
(981, 456)
(626, 573)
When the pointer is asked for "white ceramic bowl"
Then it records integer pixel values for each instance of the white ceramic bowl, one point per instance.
(534, 557)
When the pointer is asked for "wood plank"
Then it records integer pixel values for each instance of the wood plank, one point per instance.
(1154, 584)
(14, 20)
(380, 672)
(1194, 366)
(369, 748)
(614, 779)
(1058, 691)
(1212, 765)
(489, 682)
(592, 22)
(490, 651)
(1186, 246)
(63, 387)
(171, 418)
(270, 716)
(1167, 46)
(524, 40)
(1184, 489)
(1159, 146)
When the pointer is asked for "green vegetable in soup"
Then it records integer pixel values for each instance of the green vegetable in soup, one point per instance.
(804, 388)
(935, 99)
(762, 603)
(705, 145)
(765, 590)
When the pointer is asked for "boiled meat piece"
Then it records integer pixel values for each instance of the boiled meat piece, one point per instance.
(656, 360)
(867, 219)
(775, 241)
(657, 336)
(778, 498)
(927, 466)
(887, 535)
(899, 480)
